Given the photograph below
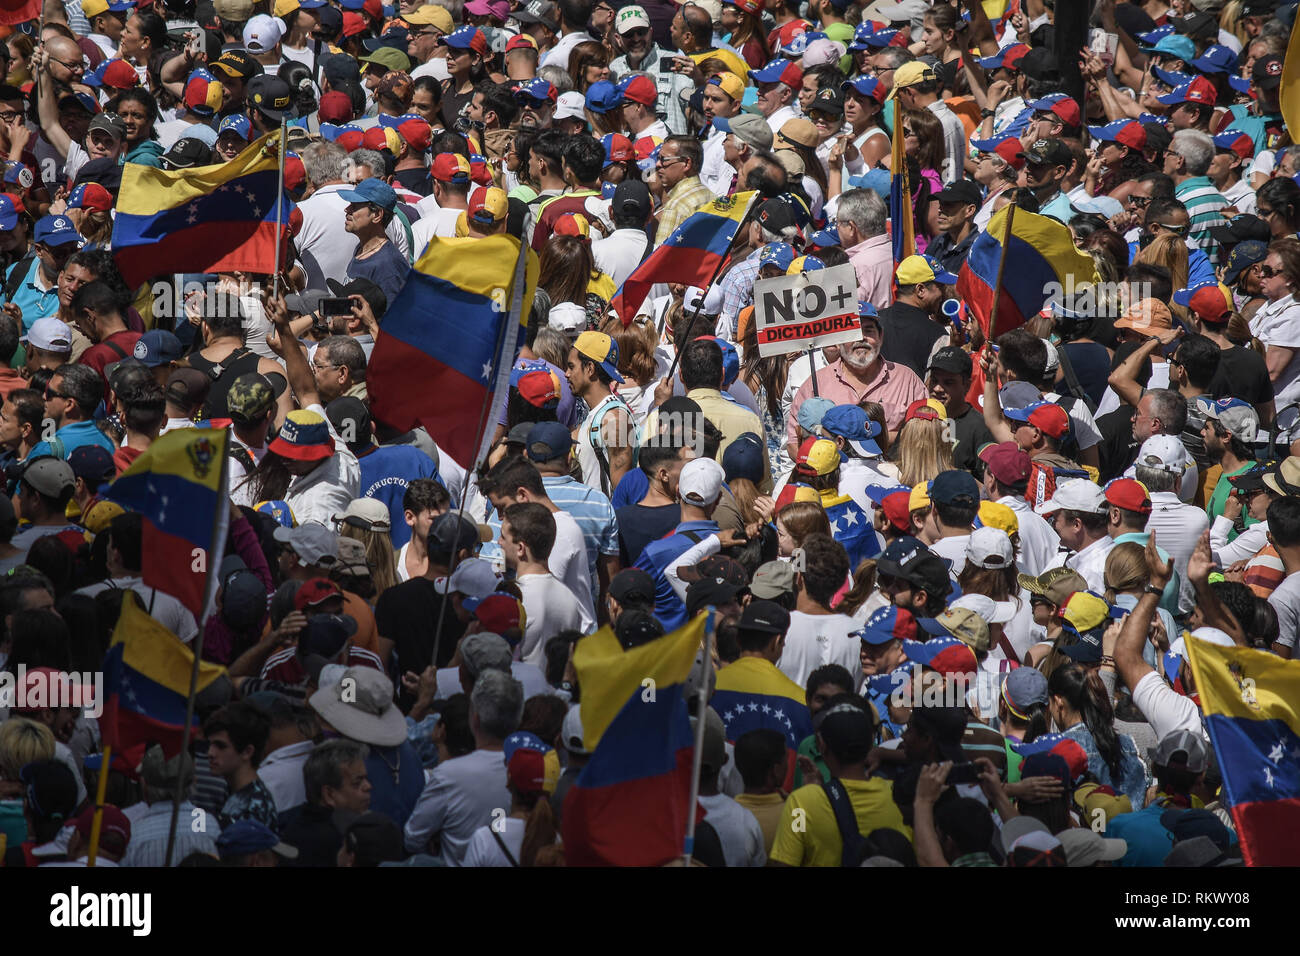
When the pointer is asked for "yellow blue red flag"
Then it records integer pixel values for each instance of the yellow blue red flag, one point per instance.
(1250, 701)
(628, 807)
(900, 197)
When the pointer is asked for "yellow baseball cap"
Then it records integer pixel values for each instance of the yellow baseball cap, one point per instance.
(731, 84)
(285, 7)
(910, 74)
(994, 515)
(920, 497)
(430, 15)
(488, 205)
(818, 455)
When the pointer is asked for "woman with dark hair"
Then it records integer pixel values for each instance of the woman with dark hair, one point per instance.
(142, 44)
(467, 69)
(636, 362)
(139, 111)
(567, 271)
(923, 142)
(588, 64)
(529, 829)
(743, 20)
(939, 34)
(1278, 204)
(765, 378)
(1277, 323)
(1080, 706)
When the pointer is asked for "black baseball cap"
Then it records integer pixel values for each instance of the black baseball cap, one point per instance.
(1047, 152)
(632, 586)
(710, 592)
(947, 725)
(51, 789)
(1197, 25)
(1040, 64)
(909, 559)
(186, 154)
(270, 96)
(1241, 229)
(765, 616)
(963, 191)
(631, 199)
(950, 358)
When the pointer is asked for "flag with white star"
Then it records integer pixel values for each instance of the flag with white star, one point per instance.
(1250, 702)
(752, 694)
(851, 526)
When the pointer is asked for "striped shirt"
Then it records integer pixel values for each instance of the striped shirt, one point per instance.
(737, 292)
(1203, 203)
(593, 513)
(196, 832)
(77, 20)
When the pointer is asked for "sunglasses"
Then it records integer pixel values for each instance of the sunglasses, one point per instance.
(1268, 272)
(51, 393)
(364, 524)
(1176, 230)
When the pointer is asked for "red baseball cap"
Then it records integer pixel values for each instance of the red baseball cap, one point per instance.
(527, 771)
(335, 107)
(1061, 104)
(1006, 462)
(120, 75)
(315, 591)
(521, 41)
(572, 224)
(451, 168)
(922, 409)
(640, 89)
(353, 24)
(352, 139)
(112, 822)
(1047, 417)
(479, 170)
(619, 149)
(539, 387)
(417, 132)
(1129, 494)
(498, 612)
(752, 7)
(373, 8)
(295, 173)
(1212, 302)
(895, 508)
(382, 137)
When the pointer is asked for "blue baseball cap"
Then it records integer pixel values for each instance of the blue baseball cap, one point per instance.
(868, 311)
(1152, 37)
(779, 254)
(991, 144)
(1172, 78)
(469, 38)
(1216, 58)
(395, 37)
(864, 38)
(548, 441)
(1240, 83)
(812, 411)
(949, 487)
(799, 43)
(744, 458)
(1174, 45)
(521, 739)
(888, 624)
(56, 231)
(158, 347)
(1009, 56)
(251, 836)
(240, 125)
(773, 72)
(823, 239)
(867, 86)
(278, 510)
(373, 191)
(877, 180)
(536, 89)
(878, 493)
(851, 423)
(603, 97)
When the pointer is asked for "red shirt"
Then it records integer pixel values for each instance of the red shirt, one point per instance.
(102, 355)
(124, 456)
(11, 381)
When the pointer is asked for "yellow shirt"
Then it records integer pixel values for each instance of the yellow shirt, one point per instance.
(808, 835)
(602, 285)
(766, 808)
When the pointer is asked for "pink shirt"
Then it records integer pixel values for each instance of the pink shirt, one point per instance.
(873, 261)
(895, 387)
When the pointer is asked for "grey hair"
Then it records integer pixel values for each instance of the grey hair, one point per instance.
(552, 345)
(324, 766)
(865, 209)
(1170, 407)
(896, 56)
(498, 701)
(370, 159)
(1196, 148)
(345, 350)
(557, 77)
(323, 162)
(1156, 477)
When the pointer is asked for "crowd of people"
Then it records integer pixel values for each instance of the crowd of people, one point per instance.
(953, 575)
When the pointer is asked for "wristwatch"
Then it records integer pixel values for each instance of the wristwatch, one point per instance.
(1152, 589)
(986, 113)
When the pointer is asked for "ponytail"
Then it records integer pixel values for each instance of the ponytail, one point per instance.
(539, 833)
(1086, 693)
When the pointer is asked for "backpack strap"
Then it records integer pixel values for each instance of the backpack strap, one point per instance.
(1072, 380)
(17, 274)
(854, 843)
(597, 440)
(121, 352)
(502, 844)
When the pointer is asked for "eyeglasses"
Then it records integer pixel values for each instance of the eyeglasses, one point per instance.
(669, 160)
(638, 32)
(432, 32)
(533, 101)
(1176, 230)
(10, 116)
(1140, 201)
(1268, 272)
(76, 66)
(320, 368)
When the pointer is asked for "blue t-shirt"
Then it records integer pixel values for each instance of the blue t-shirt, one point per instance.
(387, 269)
(1091, 363)
(631, 489)
(35, 302)
(654, 560)
(73, 436)
(386, 470)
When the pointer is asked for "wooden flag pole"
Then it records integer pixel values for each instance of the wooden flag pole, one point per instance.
(100, 789)
(1002, 263)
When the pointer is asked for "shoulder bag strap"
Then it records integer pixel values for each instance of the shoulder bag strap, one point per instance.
(502, 844)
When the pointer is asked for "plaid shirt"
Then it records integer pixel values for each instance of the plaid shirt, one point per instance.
(737, 292)
(683, 200)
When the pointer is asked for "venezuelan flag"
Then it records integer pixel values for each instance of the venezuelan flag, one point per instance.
(448, 341)
(851, 527)
(207, 219)
(900, 197)
(1042, 262)
(1250, 701)
(690, 255)
(147, 684)
(751, 694)
(179, 486)
(628, 807)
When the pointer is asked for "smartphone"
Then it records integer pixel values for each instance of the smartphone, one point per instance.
(335, 305)
(964, 773)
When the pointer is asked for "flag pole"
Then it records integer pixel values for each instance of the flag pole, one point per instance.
(508, 334)
(101, 787)
(697, 758)
(279, 208)
(749, 214)
(1002, 262)
(221, 528)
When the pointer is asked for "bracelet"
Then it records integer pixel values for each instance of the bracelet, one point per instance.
(1107, 661)
(986, 113)
(1152, 589)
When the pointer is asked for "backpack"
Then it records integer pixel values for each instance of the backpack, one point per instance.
(1043, 479)
(17, 274)
(598, 442)
(856, 847)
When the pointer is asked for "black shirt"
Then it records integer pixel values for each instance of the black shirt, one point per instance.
(310, 829)
(638, 525)
(1118, 448)
(971, 433)
(1091, 364)
(407, 614)
(909, 336)
(416, 180)
(1242, 374)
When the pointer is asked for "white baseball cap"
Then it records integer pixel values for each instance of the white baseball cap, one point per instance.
(1166, 452)
(630, 18)
(571, 731)
(50, 334)
(991, 611)
(822, 51)
(567, 317)
(571, 105)
(701, 481)
(712, 300)
(1077, 494)
(990, 548)
(262, 33)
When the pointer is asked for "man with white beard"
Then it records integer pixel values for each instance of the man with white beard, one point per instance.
(862, 375)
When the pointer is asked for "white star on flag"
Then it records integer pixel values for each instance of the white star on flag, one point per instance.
(835, 527)
(239, 189)
(487, 371)
(753, 708)
(257, 211)
(1277, 753)
(1268, 776)
(850, 518)
(767, 709)
(779, 715)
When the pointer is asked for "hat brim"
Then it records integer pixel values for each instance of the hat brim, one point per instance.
(301, 452)
(1164, 335)
(388, 730)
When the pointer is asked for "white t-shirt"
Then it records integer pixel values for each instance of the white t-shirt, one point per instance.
(1286, 602)
(440, 223)
(550, 607)
(162, 607)
(568, 562)
(1165, 709)
(618, 255)
(738, 831)
(1039, 544)
(952, 550)
(483, 849)
(817, 639)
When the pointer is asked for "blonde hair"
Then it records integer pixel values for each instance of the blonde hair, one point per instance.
(922, 452)
(379, 555)
(1168, 252)
(1230, 21)
(23, 741)
(1126, 569)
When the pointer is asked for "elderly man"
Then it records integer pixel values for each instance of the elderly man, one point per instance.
(861, 225)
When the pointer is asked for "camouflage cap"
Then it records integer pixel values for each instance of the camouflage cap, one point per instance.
(250, 397)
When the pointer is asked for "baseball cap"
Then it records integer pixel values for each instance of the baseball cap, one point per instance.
(631, 199)
(237, 65)
(50, 335)
(962, 623)
(618, 149)
(1047, 152)
(1054, 584)
(372, 191)
(1125, 132)
(888, 624)
(1174, 45)
(1048, 417)
(851, 423)
(49, 476)
(1238, 417)
(313, 543)
(747, 127)
(1023, 688)
(962, 191)
(465, 38)
(1166, 452)
(1008, 57)
(818, 456)
(451, 168)
(1040, 64)
(779, 70)
(430, 15)
(912, 74)
(539, 11)
(639, 89)
(56, 231)
(1128, 494)
(570, 105)
(602, 350)
(93, 464)
(1245, 226)
(729, 83)
(51, 789)
(632, 17)
(548, 441)
(1266, 74)
(917, 269)
(632, 586)
(602, 97)
(1199, 90)
(990, 548)
(487, 205)
(953, 487)
(1007, 462)
(251, 836)
(1210, 300)
(1061, 105)
(1181, 746)
(1075, 494)
(1243, 256)
(304, 436)
(473, 577)
(700, 482)
(250, 397)
(453, 531)
(1005, 145)
(765, 616)
(945, 654)
(909, 559)
(772, 580)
